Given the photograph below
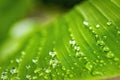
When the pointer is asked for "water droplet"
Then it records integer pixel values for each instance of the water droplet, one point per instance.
(76, 47)
(85, 23)
(53, 62)
(109, 23)
(90, 28)
(88, 66)
(13, 71)
(34, 60)
(18, 60)
(51, 53)
(100, 42)
(110, 55)
(97, 26)
(28, 67)
(72, 42)
(47, 71)
(28, 76)
(4, 76)
(106, 49)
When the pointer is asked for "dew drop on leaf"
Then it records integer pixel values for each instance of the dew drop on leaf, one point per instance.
(106, 49)
(28, 67)
(100, 42)
(72, 42)
(28, 76)
(34, 60)
(52, 53)
(13, 70)
(97, 26)
(109, 23)
(88, 66)
(47, 71)
(110, 55)
(4, 75)
(85, 23)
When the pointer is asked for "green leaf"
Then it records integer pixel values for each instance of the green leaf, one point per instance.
(81, 45)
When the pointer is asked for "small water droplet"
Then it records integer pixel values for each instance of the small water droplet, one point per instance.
(53, 62)
(97, 26)
(76, 47)
(51, 53)
(47, 71)
(34, 60)
(100, 42)
(90, 28)
(85, 23)
(88, 66)
(106, 49)
(109, 23)
(13, 71)
(28, 67)
(110, 55)
(28, 76)
(72, 42)
(4, 76)
(18, 60)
